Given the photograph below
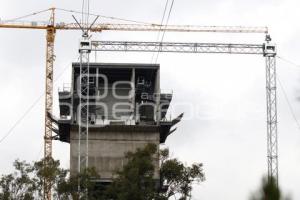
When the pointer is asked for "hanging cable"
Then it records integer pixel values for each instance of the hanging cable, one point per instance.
(82, 13)
(161, 23)
(288, 61)
(164, 31)
(88, 15)
(29, 109)
(107, 17)
(21, 118)
(289, 104)
(26, 16)
(285, 94)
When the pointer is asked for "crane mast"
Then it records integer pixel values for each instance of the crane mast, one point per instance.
(50, 57)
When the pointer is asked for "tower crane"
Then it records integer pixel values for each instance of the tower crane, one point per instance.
(52, 27)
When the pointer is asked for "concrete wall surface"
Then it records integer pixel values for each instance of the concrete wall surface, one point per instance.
(107, 149)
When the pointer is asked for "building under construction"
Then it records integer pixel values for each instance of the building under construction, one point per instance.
(126, 111)
(119, 107)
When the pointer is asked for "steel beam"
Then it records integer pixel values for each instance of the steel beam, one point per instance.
(174, 47)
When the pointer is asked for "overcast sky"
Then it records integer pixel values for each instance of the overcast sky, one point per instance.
(226, 126)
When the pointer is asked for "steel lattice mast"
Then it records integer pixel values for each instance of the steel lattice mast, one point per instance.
(267, 50)
(49, 101)
(272, 133)
(83, 114)
(83, 90)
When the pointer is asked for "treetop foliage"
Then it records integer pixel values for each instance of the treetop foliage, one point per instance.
(137, 180)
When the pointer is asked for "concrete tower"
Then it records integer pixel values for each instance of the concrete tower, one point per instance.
(126, 111)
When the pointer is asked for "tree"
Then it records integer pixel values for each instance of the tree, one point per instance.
(18, 185)
(179, 177)
(50, 172)
(269, 191)
(26, 183)
(136, 182)
(67, 188)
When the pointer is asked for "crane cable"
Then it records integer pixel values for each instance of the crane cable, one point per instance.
(288, 61)
(103, 16)
(285, 94)
(85, 13)
(164, 32)
(26, 16)
(21, 118)
(82, 13)
(161, 23)
(289, 103)
(78, 12)
(29, 109)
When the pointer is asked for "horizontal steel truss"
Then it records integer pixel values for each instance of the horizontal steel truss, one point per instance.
(173, 47)
(268, 51)
(135, 27)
